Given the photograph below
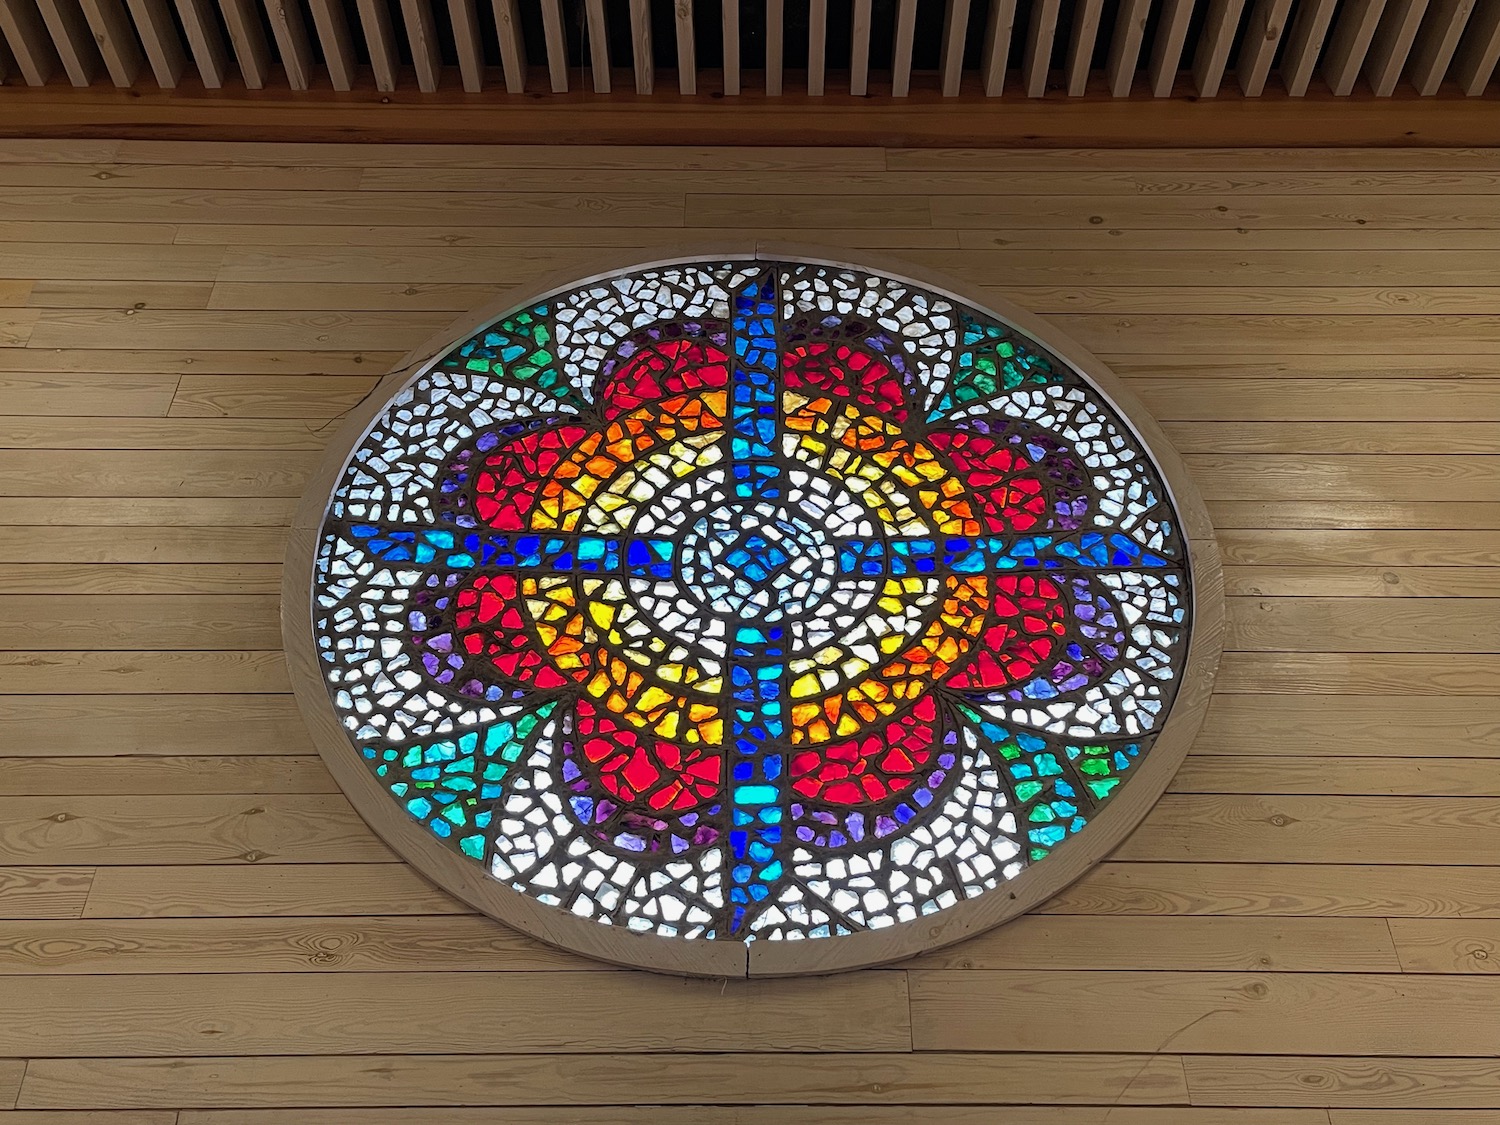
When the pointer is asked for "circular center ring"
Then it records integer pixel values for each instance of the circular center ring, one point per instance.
(759, 561)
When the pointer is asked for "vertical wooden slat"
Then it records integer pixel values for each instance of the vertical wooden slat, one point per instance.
(7, 60)
(687, 49)
(1085, 32)
(1258, 46)
(906, 34)
(817, 46)
(557, 45)
(955, 34)
(421, 34)
(1036, 64)
(859, 48)
(380, 42)
(332, 26)
(731, 30)
(598, 38)
(21, 23)
(642, 52)
(1479, 50)
(1392, 44)
(1352, 35)
(205, 41)
(248, 41)
(1166, 52)
(116, 38)
(70, 38)
(1305, 43)
(465, 21)
(158, 33)
(292, 44)
(512, 46)
(1214, 44)
(1125, 46)
(776, 47)
(1437, 42)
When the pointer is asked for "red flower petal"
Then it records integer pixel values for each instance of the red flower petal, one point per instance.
(636, 767)
(1028, 615)
(1006, 487)
(661, 370)
(873, 766)
(846, 374)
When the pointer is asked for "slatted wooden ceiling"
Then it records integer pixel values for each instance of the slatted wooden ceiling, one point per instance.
(669, 48)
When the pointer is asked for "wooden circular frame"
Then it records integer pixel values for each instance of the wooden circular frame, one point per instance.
(469, 881)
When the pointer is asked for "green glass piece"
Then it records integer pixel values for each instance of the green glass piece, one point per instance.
(992, 360)
(521, 348)
(459, 778)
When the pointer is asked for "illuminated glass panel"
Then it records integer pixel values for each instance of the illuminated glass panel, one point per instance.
(751, 600)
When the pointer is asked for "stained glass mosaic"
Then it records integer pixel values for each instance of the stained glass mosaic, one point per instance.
(751, 601)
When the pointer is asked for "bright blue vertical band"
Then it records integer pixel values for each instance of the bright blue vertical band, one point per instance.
(755, 669)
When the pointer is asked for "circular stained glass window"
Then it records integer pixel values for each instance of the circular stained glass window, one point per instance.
(752, 616)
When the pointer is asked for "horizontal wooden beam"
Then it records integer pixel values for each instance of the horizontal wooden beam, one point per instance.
(921, 120)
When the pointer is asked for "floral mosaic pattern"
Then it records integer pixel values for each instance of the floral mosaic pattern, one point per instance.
(749, 600)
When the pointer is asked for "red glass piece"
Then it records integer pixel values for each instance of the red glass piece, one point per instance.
(1007, 491)
(673, 367)
(872, 766)
(844, 373)
(488, 623)
(510, 477)
(634, 766)
(1028, 615)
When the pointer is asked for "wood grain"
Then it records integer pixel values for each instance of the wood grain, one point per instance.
(106, 673)
(151, 473)
(1303, 932)
(1056, 942)
(1361, 581)
(44, 892)
(139, 578)
(106, 725)
(147, 621)
(525, 1013)
(462, 944)
(164, 775)
(11, 1073)
(826, 1079)
(1204, 1013)
(1377, 1083)
(1330, 726)
(340, 889)
(1282, 828)
(146, 544)
(268, 396)
(1312, 624)
(89, 1117)
(1283, 890)
(1428, 515)
(1276, 673)
(782, 1115)
(198, 828)
(1351, 776)
(252, 331)
(156, 511)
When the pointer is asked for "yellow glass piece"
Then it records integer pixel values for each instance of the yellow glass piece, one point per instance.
(652, 698)
(805, 686)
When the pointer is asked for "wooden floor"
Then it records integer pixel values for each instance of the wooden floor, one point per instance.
(198, 930)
